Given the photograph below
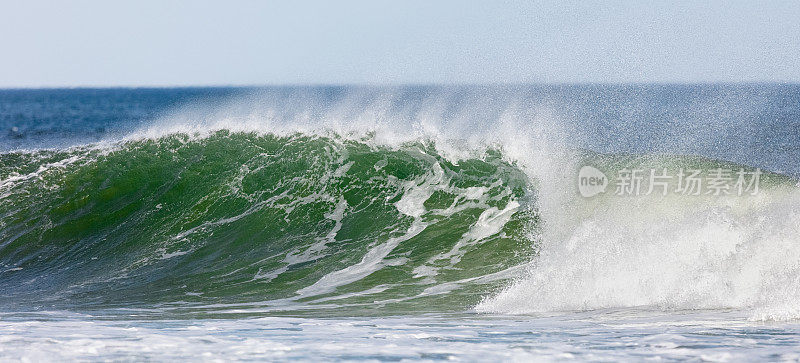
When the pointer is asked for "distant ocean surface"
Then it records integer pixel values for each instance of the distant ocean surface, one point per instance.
(400, 223)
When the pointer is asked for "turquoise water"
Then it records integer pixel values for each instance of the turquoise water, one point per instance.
(421, 223)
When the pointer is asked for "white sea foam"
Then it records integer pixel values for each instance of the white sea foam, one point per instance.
(608, 336)
(730, 253)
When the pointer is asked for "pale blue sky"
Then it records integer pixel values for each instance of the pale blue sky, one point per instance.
(156, 42)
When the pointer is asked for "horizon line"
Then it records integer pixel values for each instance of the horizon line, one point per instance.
(409, 84)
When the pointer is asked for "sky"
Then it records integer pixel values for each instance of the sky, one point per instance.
(237, 42)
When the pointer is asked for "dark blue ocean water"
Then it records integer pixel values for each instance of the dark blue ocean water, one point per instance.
(46, 118)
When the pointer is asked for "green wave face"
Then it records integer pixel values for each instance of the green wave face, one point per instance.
(289, 223)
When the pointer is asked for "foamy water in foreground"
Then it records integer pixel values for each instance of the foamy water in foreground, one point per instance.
(604, 335)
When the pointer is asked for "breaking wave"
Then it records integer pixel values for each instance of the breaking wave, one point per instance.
(353, 217)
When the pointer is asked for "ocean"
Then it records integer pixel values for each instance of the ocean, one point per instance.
(367, 223)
